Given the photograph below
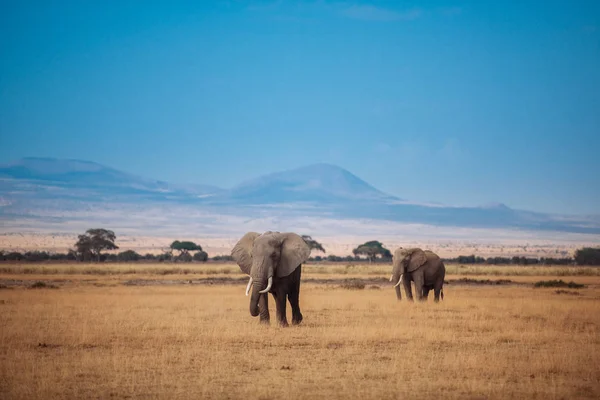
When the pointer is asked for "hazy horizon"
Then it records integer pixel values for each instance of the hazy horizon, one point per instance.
(463, 103)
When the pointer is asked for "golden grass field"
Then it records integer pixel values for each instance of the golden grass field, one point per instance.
(95, 337)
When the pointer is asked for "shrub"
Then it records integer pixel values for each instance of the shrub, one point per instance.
(13, 256)
(184, 257)
(498, 261)
(201, 256)
(36, 256)
(223, 258)
(164, 257)
(559, 283)
(42, 285)
(128, 255)
(470, 260)
(569, 292)
(556, 261)
(353, 284)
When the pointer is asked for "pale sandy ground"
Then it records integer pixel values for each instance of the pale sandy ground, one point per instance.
(338, 245)
(152, 229)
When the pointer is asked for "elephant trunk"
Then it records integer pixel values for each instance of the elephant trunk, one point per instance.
(254, 298)
(262, 280)
(397, 274)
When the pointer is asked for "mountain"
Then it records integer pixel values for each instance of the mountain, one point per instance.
(86, 179)
(60, 191)
(318, 183)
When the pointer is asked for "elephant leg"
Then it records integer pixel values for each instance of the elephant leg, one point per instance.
(419, 281)
(437, 290)
(280, 299)
(425, 292)
(263, 307)
(436, 294)
(294, 299)
(407, 288)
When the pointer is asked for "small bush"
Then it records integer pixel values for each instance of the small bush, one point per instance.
(469, 281)
(559, 283)
(201, 256)
(36, 256)
(222, 258)
(128, 256)
(353, 284)
(13, 256)
(184, 257)
(569, 292)
(42, 285)
(164, 257)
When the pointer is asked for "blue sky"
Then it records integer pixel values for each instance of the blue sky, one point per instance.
(463, 103)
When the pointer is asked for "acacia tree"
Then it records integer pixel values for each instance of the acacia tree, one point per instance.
(313, 244)
(94, 241)
(372, 249)
(184, 249)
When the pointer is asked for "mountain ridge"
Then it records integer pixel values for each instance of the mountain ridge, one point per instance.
(29, 186)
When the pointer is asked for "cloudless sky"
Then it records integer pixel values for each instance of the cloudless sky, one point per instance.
(457, 102)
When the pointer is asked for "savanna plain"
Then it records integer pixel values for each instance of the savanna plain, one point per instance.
(155, 331)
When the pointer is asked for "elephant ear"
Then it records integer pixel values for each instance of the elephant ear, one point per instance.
(242, 252)
(417, 259)
(294, 251)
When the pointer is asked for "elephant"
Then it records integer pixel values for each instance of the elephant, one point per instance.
(273, 261)
(425, 268)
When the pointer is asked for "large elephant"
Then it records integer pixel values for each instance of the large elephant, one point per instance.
(425, 268)
(273, 261)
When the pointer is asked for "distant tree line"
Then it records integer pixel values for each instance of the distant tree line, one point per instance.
(91, 246)
(124, 256)
(511, 260)
(584, 256)
(133, 256)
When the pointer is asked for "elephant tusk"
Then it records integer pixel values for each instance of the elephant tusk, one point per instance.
(399, 281)
(392, 277)
(249, 286)
(269, 284)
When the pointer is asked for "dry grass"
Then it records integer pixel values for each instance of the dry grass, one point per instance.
(187, 342)
(118, 268)
(525, 270)
(311, 269)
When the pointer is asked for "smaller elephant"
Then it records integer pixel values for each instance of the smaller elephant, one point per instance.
(425, 268)
(273, 261)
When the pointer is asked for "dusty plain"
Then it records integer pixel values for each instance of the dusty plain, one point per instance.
(160, 331)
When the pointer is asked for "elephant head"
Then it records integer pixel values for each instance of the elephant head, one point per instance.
(406, 260)
(262, 257)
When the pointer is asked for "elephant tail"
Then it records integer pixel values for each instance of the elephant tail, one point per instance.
(442, 294)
